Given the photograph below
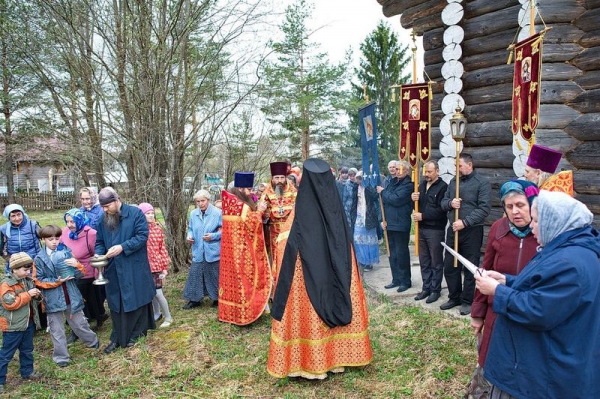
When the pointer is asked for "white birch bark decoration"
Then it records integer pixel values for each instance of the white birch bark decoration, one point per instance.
(452, 72)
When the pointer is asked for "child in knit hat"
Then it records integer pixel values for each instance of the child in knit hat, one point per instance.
(18, 317)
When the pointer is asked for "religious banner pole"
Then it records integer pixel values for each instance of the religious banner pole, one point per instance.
(457, 195)
(367, 124)
(415, 128)
(527, 82)
(458, 128)
(531, 17)
(416, 168)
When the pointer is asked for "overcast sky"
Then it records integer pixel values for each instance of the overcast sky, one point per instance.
(346, 23)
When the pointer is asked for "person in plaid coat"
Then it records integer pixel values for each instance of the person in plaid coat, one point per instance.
(159, 260)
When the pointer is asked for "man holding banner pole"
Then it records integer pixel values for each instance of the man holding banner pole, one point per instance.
(433, 225)
(474, 205)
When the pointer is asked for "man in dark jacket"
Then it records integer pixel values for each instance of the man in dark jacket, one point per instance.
(474, 205)
(432, 223)
(397, 205)
(122, 234)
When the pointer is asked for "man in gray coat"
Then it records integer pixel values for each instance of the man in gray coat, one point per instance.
(122, 234)
(474, 205)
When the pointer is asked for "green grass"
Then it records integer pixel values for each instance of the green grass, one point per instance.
(417, 354)
(46, 218)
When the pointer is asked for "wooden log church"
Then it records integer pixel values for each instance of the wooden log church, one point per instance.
(465, 54)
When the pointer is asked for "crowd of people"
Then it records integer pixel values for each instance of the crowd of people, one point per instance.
(297, 246)
(50, 278)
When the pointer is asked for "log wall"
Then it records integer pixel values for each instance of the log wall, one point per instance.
(570, 97)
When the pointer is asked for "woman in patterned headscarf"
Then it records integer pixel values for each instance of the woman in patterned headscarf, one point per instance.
(90, 206)
(80, 238)
(510, 246)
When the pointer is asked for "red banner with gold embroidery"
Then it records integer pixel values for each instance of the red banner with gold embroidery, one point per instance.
(526, 86)
(415, 126)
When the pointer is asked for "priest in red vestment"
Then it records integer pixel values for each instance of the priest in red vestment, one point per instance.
(244, 274)
(319, 307)
(276, 205)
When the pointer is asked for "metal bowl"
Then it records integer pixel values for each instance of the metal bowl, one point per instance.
(99, 261)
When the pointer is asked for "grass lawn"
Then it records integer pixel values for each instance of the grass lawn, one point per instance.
(417, 354)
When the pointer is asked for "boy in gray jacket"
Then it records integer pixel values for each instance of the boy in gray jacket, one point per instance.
(61, 295)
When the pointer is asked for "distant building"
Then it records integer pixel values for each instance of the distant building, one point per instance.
(38, 169)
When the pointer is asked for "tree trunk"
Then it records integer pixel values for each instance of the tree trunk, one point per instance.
(93, 136)
(6, 110)
(120, 19)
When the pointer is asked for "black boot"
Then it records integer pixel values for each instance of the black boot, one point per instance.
(72, 338)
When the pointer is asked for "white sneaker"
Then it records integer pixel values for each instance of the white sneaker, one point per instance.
(165, 324)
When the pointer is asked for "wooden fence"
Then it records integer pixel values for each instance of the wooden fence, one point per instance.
(42, 201)
(35, 201)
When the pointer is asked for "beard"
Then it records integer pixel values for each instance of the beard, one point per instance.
(279, 189)
(245, 198)
(111, 220)
(280, 186)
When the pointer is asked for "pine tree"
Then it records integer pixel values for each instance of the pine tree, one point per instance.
(383, 60)
(303, 91)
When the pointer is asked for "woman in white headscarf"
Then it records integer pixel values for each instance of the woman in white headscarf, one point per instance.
(546, 340)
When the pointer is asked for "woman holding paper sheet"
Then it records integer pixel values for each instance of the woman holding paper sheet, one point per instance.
(510, 246)
(546, 340)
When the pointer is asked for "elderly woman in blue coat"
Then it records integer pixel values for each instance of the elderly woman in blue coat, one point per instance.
(19, 234)
(122, 233)
(546, 340)
(204, 234)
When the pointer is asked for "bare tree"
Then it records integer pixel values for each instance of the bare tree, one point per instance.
(177, 85)
(149, 84)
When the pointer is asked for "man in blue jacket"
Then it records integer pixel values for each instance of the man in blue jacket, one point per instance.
(397, 205)
(121, 236)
